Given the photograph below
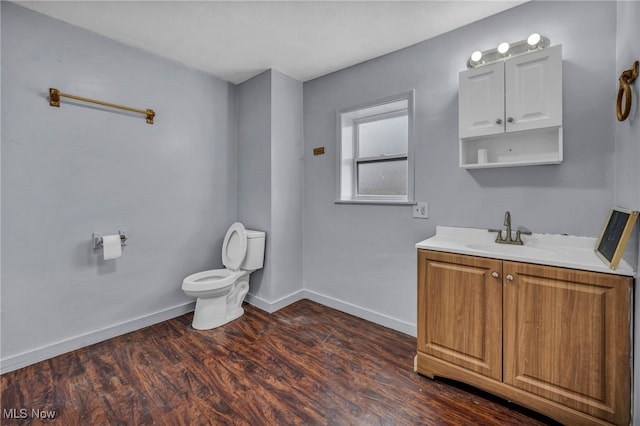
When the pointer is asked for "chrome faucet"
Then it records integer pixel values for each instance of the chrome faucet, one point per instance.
(508, 238)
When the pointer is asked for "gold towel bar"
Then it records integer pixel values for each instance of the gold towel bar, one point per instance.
(626, 79)
(55, 95)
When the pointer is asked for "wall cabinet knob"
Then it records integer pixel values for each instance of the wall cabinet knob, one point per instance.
(509, 277)
(510, 120)
(498, 120)
(495, 274)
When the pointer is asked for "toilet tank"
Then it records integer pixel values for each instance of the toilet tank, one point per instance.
(255, 251)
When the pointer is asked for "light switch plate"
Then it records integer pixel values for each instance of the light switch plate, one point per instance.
(421, 210)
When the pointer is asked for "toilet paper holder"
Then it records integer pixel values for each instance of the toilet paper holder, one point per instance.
(97, 240)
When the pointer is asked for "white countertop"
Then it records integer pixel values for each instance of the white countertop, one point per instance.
(566, 251)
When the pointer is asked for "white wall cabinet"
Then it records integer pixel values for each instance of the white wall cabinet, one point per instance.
(513, 110)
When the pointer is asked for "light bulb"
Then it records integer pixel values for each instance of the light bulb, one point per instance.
(503, 48)
(476, 56)
(533, 39)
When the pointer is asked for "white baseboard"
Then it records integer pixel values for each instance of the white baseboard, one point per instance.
(24, 359)
(271, 307)
(349, 308)
(367, 314)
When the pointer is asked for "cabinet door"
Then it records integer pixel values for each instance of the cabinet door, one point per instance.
(481, 101)
(459, 311)
(533, 90)
(566, 337)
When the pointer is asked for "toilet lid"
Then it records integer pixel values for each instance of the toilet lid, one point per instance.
(234, 248)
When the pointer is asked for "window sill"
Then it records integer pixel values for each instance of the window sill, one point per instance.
(377, 202)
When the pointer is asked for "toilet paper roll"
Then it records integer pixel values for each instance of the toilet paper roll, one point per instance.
(482, 156)
(111, 246)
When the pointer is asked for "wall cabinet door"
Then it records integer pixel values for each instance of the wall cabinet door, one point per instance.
(481, 101)
(566, 338)
(533, 90)
(460, 311)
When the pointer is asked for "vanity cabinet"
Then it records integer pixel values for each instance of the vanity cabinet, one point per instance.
(460, 311)
(500, 101)
(553, 339)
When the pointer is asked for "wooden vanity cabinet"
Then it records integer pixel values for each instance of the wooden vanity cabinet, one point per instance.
(552, 339)
(460, 311)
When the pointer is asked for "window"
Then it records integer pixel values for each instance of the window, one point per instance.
(376, 148)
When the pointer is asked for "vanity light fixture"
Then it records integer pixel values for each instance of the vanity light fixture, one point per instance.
(476, 56)
(505, 50)
(533, 40)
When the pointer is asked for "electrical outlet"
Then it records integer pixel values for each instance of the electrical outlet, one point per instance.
(421, 210)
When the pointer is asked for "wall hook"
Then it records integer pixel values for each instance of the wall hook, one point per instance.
(624, 91)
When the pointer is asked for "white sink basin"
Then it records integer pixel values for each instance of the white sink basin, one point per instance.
(511, 249)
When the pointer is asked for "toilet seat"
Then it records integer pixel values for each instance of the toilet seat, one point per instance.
(234, 251)
(211, 280)
(234, 247)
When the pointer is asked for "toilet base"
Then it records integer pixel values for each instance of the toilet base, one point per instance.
(235, 314)
(212, 312)
(204, 320)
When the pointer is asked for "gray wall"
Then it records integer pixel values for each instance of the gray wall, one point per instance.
(364, 256)
(286, 189)
(270, 182)
(70, 171)
(254, 169)
(628, 150)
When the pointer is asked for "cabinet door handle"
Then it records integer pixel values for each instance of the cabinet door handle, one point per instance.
(495, 274)
(509, 277)
(498, 120)
(510, 120)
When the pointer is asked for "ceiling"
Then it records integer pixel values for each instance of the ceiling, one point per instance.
(236, 40)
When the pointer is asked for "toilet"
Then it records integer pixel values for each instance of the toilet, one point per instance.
(220, 292)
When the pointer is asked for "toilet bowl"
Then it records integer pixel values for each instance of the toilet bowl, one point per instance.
(220, 292)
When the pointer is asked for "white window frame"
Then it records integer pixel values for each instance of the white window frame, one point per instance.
(348, 159)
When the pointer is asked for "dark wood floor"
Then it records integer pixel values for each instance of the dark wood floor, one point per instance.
(304, 365)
